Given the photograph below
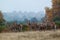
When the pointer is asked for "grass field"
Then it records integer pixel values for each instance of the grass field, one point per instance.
(32, 35)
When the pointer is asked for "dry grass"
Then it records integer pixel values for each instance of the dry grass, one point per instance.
(32, 35)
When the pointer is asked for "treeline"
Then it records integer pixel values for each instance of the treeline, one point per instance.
(14, 27)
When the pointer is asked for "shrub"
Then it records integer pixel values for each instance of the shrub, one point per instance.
(25, 28)
(56, 19)
(2, 28)
(57, 22)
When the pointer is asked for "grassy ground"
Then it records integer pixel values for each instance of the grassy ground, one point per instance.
(32, 35)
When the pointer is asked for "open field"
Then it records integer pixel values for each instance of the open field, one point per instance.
(32, 35)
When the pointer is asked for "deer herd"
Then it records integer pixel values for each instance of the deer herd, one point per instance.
(31, 27)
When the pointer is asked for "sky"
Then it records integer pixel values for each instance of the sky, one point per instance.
(24, 5)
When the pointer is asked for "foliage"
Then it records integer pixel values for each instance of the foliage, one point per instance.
(2, 27)
(1, 17)
(25, 28)
(57, 20)
(58, 3)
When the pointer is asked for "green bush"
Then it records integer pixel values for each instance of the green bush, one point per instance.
(25, 28)
(2, 28)
(57, 22)
(56, 18)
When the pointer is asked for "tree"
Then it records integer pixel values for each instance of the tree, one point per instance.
(2, 26)
(1, 18)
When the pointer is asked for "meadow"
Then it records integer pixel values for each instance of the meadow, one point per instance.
(31, 35)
